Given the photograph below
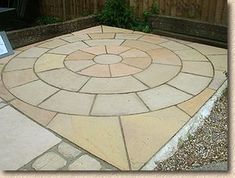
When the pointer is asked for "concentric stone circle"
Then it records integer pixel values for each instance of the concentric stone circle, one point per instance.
(129, 74)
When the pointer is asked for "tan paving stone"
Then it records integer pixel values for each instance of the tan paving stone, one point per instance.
(108, 29)
(200, 68)
(113, 85)
(79, 65)
(108, 59)
(134, 53)
(39, 115)
(69, 102)
(120, 69)
(49, 162)
(20, 63)
(80, 55)
(53, 44)
(85, 163)
(127, 36)
(5, 60)
(162, 96)
(69, 48)
(144, 46)
(49, 61)
(174, 46)
(76, 38)
(118, 104)
(104, 42)
(193, 105)
(207, 50)
(96, 29)
(164, 56)
(64, 79)
(191, 55)
(38, 89)
(145, 134)
(101, 136)
(68, 150)
(155, 39)
(97, 50)
(102, 35)
(190, 83)
(16, 78)
(33, 52)
(139, 62)
(220, 62)
(21, 140)
(157, 74)
(97, 70)
(4, 93)
(218, 80)
(116, 49)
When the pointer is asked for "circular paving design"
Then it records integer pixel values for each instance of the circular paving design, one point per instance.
(130, 74)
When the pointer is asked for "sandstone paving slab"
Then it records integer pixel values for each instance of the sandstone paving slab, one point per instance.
(49, 61)
(220, 62)
(101, 136)
(5, 60)
(104, 42)
(200, 68)
(190, 83)
(127, 36)
(207, 50)
(164, 56)
(120, 69)
(64, 79)
(113, 85)
(38, 89)
(118, 104)
(41, 116)
(76, 38)
(163, 96)
(21, 140)
(80, 55)
(85, 163)
(96, 29)
(108, 29)
(153, 39)
(68, 150)
(17, 78)
(139, 62)
(218, 80)
(20, 64)
(191, 55)
(157, 74)
(149, 132)
(134, 53)
(193, 105)
(69, 48)
(144, 46)
(49, 162)
(53, 44)
(69, 102)
(102, 35)
(4, 93)
(2, 104)
(98, 70)
(114, 49)
(33, 52)
(174, 46)
(96, 50)
(79, 65)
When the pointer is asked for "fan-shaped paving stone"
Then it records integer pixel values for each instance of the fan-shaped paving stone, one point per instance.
(111, 90)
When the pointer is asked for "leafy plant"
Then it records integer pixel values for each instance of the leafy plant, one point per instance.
(44, 20)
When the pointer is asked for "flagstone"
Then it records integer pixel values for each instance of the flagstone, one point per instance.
(101, 136)
(200, 68)
(191, 55)
(193, 105)
(33, 52)
(127, 36)
(38, 89)
(64, 79)
(97, 50)
(76, 38)
(220, 62)
(162, 97)
(4, 93)
(149, 132)
(53, 44)
(108, 29)
(157, 74)
(69, 103)
(118, 104)
(190, 83)
(113, 85)
(134, 53)
(120, 69)
(207, 50)
(96, 29)
(85, 163)
(218, 80)
(80, 55)
(102, 35)
(174, 46)
(153, 39)
(112, 49)
(141, 45)
(139, 62)
(104, 42)
(20, 64)
(79, 65)
(97, 70)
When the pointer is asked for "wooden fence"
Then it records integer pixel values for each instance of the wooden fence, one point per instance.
(212, 11)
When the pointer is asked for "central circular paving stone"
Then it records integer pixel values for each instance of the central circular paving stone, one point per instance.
(108, 59)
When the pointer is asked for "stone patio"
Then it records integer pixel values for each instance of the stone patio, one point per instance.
(121, 95)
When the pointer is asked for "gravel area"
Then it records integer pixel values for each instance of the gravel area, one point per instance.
(209, 144)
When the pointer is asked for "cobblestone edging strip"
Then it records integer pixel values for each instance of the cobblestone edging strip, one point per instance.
(189, 129)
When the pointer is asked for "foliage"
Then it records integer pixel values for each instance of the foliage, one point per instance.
(44, 20)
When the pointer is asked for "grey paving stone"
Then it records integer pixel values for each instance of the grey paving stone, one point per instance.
(68, 151)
